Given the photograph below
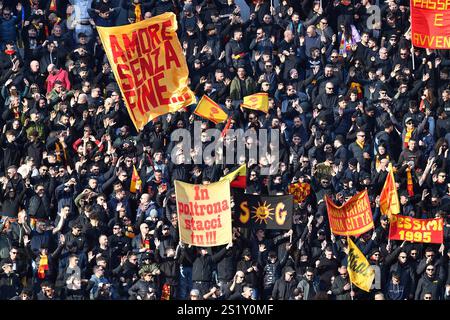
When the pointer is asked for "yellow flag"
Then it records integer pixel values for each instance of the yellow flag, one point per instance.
(136, 182)
(389, 203)
(149, 66)
(360, 272)
(210, 110)
(257, 101)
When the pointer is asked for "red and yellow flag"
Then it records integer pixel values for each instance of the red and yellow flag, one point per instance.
(300, 191)
(210, 110)
(257, 101)
(389, 198)
(237, 178)
(149, 66)
(136, 182)
(43, 266)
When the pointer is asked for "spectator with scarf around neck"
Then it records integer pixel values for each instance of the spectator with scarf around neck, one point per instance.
(45, 268)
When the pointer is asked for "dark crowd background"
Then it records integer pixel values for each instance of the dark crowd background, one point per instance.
(347, 93)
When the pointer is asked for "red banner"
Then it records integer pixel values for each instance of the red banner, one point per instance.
(430, 24)
(352, 218)
(416, 230)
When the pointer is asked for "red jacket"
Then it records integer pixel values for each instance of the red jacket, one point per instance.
(62, 76)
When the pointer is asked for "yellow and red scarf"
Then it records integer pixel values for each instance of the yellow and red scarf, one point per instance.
(43, 266)
(165, 294)
(52, 6)
(409, 182)
(138, 12)
(146, 243)
(408, 136)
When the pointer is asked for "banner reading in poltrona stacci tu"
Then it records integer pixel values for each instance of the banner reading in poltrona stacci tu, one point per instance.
(204, 213)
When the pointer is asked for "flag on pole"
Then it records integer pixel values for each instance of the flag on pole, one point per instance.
(237, 178)
(360, 272)
(136, 182)
(208, 109)
(257, 101)
(389, 203)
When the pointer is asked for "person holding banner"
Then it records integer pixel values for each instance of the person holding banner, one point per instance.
(202, 267)
(403, 268)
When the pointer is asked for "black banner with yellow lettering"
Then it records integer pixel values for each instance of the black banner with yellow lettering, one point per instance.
(266, 212)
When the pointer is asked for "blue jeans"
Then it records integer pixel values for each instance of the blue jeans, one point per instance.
(185, 283)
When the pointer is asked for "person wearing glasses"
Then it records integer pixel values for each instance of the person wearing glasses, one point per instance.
(341, 288)
(361, 150)
(309, 284)
(285, 286)
(430, 285)
(236, 286)
(8, 27)
(430, 259)
(260, 44)
(10, 285)
(403, 268)
(19, 263)
(99, 286)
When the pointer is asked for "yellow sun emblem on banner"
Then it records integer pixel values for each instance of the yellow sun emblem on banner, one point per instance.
(262, 212)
